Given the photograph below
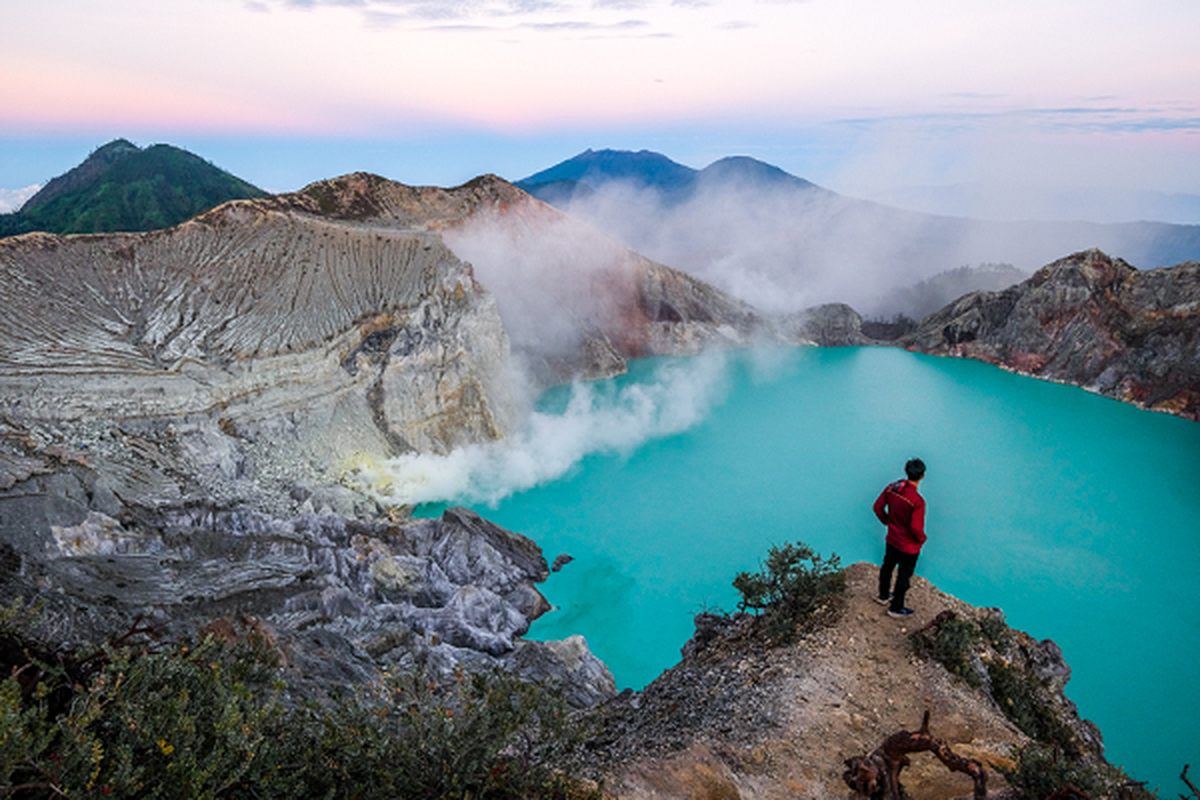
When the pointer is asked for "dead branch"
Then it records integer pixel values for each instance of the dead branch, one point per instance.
(937, 622)
(1183, 777)
(878, 774)
(1067, 791)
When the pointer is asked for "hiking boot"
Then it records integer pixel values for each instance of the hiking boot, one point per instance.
(901, 614)
(883, 601)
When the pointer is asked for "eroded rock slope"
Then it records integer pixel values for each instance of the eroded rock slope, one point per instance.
(1090, 320)
(574, 301)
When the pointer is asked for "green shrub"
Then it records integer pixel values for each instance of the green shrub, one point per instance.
(1024, 702)
(481, 736)
(955, 640)
(792, 584)
(210, 720)
(997, 633)
(1042, 769)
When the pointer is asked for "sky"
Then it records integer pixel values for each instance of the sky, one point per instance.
(861, 96)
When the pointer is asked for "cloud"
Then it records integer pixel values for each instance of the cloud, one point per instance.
(13, 199)
(435, 9)
(621, 5)
(581, 25)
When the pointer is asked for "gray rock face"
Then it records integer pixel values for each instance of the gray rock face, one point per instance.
(341, 599)
(830, 325)
(575, 303)
(1089, 320)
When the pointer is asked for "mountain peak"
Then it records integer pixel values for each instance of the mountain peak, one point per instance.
(747, 169)
(123, 187)
(644, 168)
(78, 178)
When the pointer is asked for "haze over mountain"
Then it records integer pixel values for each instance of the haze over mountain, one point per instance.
(121, 187)
(782, 243)
(1016, 201)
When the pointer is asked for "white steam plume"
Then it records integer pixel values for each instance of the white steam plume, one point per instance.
(599, 418)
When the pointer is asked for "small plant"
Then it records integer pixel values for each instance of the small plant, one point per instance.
(1024, 702)
(792, 584)
(1043, 769)
(996, 632)
(954, 642)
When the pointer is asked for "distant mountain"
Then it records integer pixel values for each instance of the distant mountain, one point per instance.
(931, 294)
(784, 244)
(595, 168)
(122, 187)
(580, 176)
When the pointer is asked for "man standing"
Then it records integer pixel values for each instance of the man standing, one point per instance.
(902, 509)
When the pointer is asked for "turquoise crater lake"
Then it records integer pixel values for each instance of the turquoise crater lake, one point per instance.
(1075, 514)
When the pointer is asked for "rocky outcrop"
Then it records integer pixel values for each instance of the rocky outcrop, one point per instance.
(1088, 320)
(339, 599)
(830, 325)
(243, 352)
(738, 718)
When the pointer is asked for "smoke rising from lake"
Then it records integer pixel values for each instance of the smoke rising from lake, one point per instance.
(596, 418)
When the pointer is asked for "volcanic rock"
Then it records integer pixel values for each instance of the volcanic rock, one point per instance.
(829, 325)
(341, 599)
(1089, 320)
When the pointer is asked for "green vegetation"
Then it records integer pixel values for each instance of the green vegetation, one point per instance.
(953, 645)
(1024, 702)
(211, 720)
(792, 585)
(1055, 757)
(123, 188)
(1043, 769)
(996, 633)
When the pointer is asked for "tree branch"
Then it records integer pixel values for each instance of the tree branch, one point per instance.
(878, 774)
(1183, 777)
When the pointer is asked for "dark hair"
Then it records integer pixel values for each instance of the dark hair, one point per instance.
(914, 469)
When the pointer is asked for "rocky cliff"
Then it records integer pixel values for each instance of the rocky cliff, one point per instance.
(738, 718)
(1089, 320)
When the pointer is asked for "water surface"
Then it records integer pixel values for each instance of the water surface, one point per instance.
(1075, 514)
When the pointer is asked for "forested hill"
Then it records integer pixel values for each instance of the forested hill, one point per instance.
(121, 187)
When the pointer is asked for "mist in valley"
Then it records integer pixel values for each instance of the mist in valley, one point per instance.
(783, 244)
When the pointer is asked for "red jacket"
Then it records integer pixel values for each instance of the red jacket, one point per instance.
(903, 511)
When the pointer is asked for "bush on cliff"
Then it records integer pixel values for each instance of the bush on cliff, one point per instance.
(793, 583)
(212, 720)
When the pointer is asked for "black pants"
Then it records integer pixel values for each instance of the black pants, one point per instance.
(891, 559)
